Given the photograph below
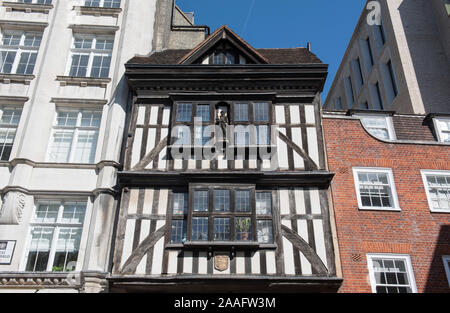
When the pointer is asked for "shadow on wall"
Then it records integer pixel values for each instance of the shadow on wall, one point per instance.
(437, 278)
(427, 52)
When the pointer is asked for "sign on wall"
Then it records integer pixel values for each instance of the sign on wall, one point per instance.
(6, 251)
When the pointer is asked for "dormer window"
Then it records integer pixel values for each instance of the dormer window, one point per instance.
(443, 129)
(225, 57)
(379, 126)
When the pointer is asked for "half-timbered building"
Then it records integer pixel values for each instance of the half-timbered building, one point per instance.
(225, 185)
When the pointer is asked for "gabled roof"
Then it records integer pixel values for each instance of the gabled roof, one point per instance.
(223, 33)
(280, 56)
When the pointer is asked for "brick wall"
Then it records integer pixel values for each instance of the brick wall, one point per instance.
(425, 236)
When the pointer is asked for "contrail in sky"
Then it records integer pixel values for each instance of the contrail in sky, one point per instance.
(248, 17)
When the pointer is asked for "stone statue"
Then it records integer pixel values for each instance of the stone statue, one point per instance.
(222, 121)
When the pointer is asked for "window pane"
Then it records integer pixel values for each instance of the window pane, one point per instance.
(83, 43)
(221, 229)
(261, 112)
(46, 213)
(85, 147)
(100, 66)
(73, 213)
(439, 191)
(243, 228)
(262, 135)
(7, 136)
(10, 116)
(6, 61)
(375, 190)
(202, 136)
(178, 231)
(201, 201)
(222, 200)
(27, 63)
(79, 65)
(229, 58)
(60, 147)
(265, 231)
(242, 202)
(203, 112)
(67, 248)
(241, 112)
(39, 250)
(32, 40)
(242, 135)
(68, 119)
(91, 119)
(180, 203)
(391, 275)
(263, 203)
(184, 112)
(200, 228)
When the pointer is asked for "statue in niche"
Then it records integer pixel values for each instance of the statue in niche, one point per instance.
(222, 120)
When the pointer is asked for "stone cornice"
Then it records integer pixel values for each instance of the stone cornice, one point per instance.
(97, 11)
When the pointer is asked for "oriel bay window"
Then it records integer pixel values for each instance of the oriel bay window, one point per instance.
(235, 213)
(249, 123)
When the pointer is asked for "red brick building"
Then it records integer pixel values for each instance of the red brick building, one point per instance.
(391, 197)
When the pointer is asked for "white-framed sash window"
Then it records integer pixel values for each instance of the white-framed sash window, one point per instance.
(55, 236)
(391, 273)
(102, 3)
(437, 187)
(446, 260)
(443, 129)
(90, 56)
(74, 136)
(375, 189)
(18, 51)
(9, 121)
(35, 1)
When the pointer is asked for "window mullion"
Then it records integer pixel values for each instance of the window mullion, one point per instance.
(51, 256)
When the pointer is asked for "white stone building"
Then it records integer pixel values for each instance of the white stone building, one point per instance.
(402, 65)
(63, 101)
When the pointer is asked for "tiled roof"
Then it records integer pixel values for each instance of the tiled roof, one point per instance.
(413, 127)
(274, 56)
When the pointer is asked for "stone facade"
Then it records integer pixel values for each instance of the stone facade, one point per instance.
(410, 57)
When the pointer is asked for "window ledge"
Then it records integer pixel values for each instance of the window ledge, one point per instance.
(97, 11)
(83, 81)
(440, 211)
(221, 245)
(27, 7)
(16, 78)
(379, 209)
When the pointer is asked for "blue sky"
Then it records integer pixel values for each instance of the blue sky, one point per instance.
(327, 24)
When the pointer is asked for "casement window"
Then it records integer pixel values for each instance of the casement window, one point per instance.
(74, 136)
(195, 123)
(437, 186)
(102, 3)
(18, 52)
(222, 213)
(443, 129)
(9, 121)
(55, 236)
(375, 189)
(446, 260)
(222, 57)
(391, 273)
(90, 56)
(35, 1)
(379, 126)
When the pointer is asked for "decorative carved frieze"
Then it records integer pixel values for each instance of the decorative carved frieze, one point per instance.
(12, 208)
